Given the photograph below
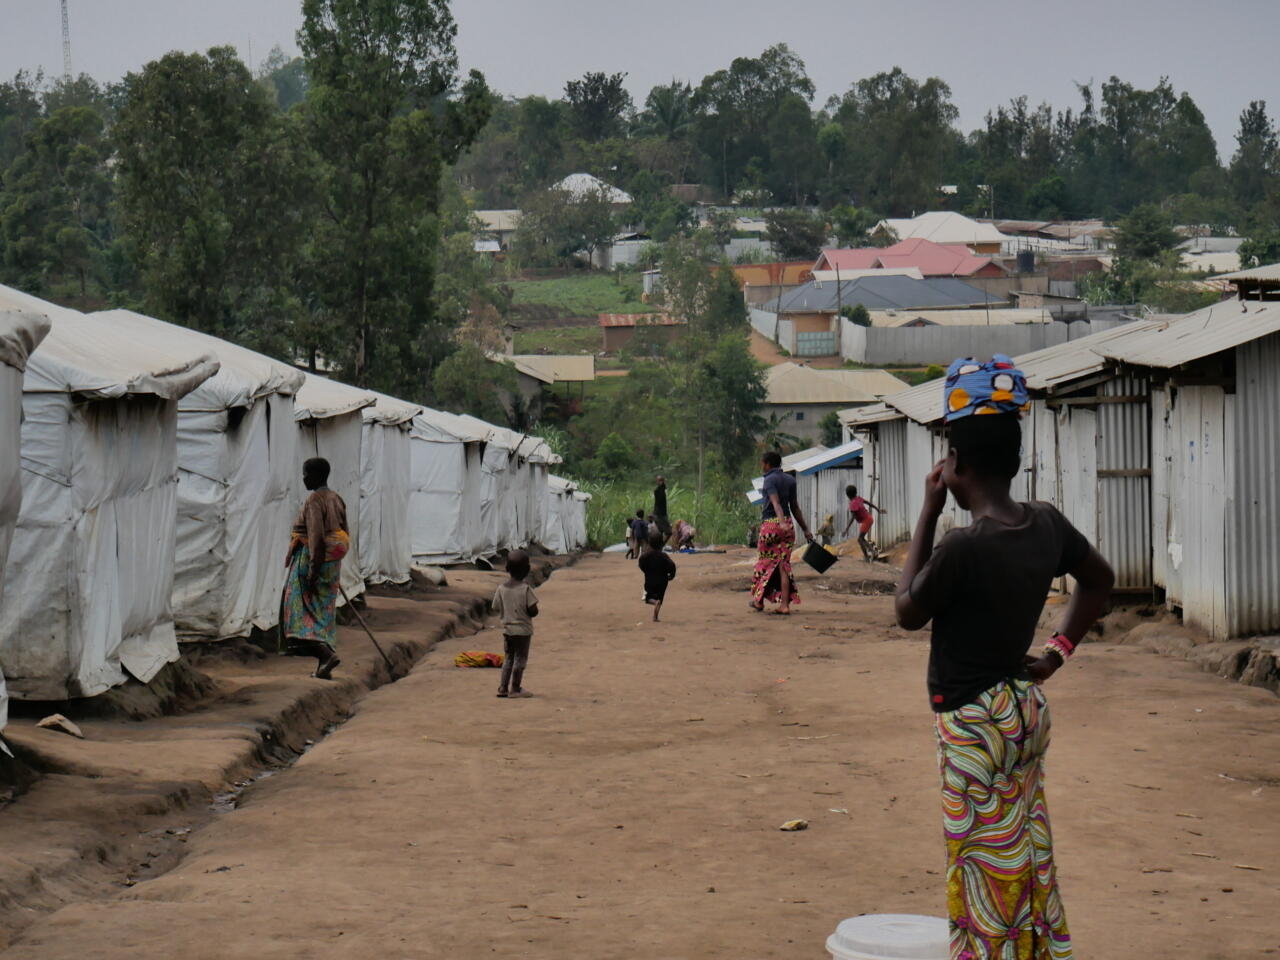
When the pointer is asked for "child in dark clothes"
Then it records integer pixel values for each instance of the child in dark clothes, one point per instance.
(659, 570)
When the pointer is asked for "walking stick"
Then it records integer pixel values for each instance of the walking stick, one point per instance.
(352, 607)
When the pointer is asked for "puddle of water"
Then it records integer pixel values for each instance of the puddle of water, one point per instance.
(229, 800)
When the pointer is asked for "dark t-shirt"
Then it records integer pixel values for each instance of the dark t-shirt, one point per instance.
(985, 588)
(658, 569)
(784, 485)
(660, 502)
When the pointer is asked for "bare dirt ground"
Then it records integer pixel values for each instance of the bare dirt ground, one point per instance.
(631, 808)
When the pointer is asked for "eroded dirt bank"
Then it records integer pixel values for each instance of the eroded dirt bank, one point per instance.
(631, 808)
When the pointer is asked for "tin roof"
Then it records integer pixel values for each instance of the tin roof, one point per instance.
(556, 368)
(1171, 342)
(931, 259)
(944, 226)
(1270, 272)
(874, 413)
(790, 383)
(893, 292)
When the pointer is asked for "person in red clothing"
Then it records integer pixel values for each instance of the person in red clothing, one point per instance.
(860, 510)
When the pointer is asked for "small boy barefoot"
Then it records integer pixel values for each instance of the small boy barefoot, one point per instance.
(659, 570)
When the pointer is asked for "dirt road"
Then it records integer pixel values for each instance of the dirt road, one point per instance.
(631, 808)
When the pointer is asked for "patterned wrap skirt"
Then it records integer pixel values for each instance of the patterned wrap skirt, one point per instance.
(777, 538)
(305, 615)
(1002, 890)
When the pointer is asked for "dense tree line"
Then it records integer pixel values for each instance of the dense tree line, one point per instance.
(321, 209)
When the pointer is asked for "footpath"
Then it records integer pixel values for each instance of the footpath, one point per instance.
(94, 816)
(631, 807)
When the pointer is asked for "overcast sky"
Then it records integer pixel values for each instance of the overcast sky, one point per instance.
(1223, 54)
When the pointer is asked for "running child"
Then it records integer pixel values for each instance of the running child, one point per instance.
(659, 570)
(984, 587)
(860, 510)
(516, 605)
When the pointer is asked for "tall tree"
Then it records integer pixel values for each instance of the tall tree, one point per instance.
(20, 110)
(384, 113)
(599, 105)
(668, 111)
(1145, 234)
(212, 198)
(55, 203)
(1255, 167)
(795, 234)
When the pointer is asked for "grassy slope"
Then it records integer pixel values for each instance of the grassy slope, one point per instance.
(584, 295)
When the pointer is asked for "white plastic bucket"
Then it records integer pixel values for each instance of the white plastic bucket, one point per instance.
(890, 936)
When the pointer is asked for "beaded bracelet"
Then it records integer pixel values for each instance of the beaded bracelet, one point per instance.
(1060, 645)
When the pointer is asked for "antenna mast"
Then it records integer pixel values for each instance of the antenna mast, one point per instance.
(66, 44)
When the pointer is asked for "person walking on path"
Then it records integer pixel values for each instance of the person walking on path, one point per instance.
(660, 508)
(516, 605)
(772, 579)
(317, 543)
(659, 570)
(983, 588)
(860, 511)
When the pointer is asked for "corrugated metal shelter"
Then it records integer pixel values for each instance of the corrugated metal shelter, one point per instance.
(330, 423)
(386, 484)
(20, 333)
(821, 476)
(237, 466)
(89, 577)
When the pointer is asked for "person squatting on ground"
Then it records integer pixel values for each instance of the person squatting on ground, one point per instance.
(516, 605)
(860, 510)
(659, 570)
(318, 542)
(772, 579)
(984, 587)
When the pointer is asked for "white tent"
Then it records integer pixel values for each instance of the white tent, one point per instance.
(90, 569)
(19, 335)
(558, 526)
(386, 542)
(446, 454)
(237, 467)
(535, 461)
(330, 421)
(576, 524)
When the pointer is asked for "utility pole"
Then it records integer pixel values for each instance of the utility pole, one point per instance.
(66, 44)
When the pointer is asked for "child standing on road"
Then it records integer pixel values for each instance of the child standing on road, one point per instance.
(984, 587)
(516, 605)
(658, 570)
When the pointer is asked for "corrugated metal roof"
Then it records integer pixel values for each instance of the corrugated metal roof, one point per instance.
(829, 458)
(638, 320)
(1269, 272)
(931, 259)
(789, 383)
(1045, 370)
(944, 226)
(861, 416)
(893, 292)
(1172, 342)
(558, 368)
(579, 185)
(1005, 316)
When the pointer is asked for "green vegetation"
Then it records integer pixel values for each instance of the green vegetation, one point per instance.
(584, 294)
(558, 340)
(721, 515)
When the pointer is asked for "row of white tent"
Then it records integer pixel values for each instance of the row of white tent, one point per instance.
(149, 476)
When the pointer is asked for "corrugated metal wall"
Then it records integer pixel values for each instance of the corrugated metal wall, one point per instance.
(1253, 546)
(886, 481)
(1124, 482)
(822, 493)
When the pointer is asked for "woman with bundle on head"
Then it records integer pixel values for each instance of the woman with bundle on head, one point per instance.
(983, 588)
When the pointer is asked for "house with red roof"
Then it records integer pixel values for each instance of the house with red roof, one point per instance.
(931, 259)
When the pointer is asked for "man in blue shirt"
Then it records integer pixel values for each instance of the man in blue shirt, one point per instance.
(772, 579)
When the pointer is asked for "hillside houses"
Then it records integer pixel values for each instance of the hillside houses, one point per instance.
(799, 396)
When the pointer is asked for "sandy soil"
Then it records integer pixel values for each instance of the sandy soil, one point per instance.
(631, 808)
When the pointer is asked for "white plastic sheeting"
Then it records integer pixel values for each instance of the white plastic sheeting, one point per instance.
(565, 522)
(386, 540)
(237, 469)
(90, 569)
(444, 505)
(330, 421)
(19, 335)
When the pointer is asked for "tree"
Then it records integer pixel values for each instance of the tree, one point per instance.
(469, 382)
(773, 437)
(1145, 233)
(851, 225)
(213, 198)
(1260, 249)
(856, 314)
(384, 114)
(795, 234)
(556, 225)
(668, 111)
(284, 77)
(614, 457)
(1256, 164)
(55, 203)
(599, 105)
(831, 432)
(20, 110)
(735, 393)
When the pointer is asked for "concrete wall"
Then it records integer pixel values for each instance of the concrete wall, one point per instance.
(768, 324)
(941, 345)
(801, 420)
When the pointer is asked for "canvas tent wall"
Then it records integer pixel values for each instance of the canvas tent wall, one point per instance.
(237, 466)
(331, 425)
(557, 526)
(90, 569)
(386, 540)
(576, 519)
(535, 461)
(501, 486)
(20, 333)
(446, 472)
